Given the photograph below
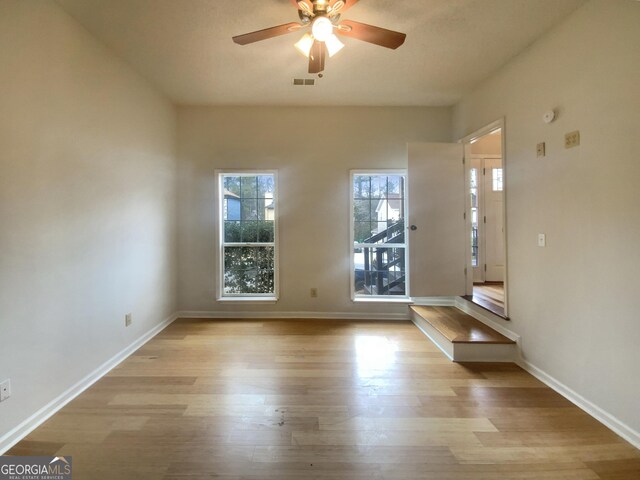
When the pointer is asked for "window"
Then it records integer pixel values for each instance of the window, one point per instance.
(474, 216)
(497, 179)
(248, 246)
(378, 211)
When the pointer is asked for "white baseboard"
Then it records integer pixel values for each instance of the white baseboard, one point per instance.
(619, 427)
(12, 437)
(434, 301)
(288, 315)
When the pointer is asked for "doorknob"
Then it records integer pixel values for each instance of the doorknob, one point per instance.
(414, 228)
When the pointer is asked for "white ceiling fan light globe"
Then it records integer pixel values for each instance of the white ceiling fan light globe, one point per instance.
(333, 45)
(322, 29)
(304, 45)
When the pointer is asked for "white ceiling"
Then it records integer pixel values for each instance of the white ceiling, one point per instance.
(184, 47)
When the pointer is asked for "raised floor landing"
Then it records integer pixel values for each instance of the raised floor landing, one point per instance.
(460, 336)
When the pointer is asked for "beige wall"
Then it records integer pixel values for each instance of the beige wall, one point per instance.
(488, 145)
(87, 205)
(313, 150)
(574, 302)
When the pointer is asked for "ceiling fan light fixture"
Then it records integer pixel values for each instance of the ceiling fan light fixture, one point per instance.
(304, 44)
(334, 45)
(304, 6)
(339, 5)
(322, 29)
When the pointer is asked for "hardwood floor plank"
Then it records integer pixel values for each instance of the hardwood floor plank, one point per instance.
(298, 399)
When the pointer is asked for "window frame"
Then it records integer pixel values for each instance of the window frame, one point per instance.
(221, 296)
(406, 298)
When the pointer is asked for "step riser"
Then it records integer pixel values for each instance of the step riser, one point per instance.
(487, 352)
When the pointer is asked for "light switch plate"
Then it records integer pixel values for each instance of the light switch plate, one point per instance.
(542, 240)
(5, 390)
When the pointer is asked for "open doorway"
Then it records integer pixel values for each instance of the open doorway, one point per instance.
(485, 186)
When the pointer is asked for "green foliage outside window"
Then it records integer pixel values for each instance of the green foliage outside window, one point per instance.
(249, 270)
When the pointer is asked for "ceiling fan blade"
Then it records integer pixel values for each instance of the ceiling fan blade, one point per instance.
(316, 57)
(369, 33)
(341, 6)
(267, 33)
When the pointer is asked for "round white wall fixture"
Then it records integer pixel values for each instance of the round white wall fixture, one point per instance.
(549, 116)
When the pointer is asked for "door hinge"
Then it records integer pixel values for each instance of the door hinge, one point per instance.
(484, 171)
(463, 160)
(464, 215)
(465, 271)
(485, 219)
(485, 267)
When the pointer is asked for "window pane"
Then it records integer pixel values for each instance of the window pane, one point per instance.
(361, 186)
(362, 210)
(380, 271)
(379, 233)
(249, 232)
(248, 270)
(232, 185)
(497, 179)
(249, 187)
(232, 232)
(395, 184)
(249, 209)
(265, 186)
(362, 231)
(378, 186)
(266, 232)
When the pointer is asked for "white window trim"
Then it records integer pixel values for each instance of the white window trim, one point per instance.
(219, 233)
(406, 298)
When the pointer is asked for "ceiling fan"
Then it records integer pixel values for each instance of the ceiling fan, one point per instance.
(324, 18)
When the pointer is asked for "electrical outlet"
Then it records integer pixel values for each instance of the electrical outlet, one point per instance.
(314, 293)
(572, 139)
(5, 390)
(540, 149)
(128, 320)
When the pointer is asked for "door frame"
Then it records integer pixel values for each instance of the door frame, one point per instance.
(466, 142)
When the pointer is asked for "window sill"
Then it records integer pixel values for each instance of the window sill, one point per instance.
(401, 300)
(248, 299)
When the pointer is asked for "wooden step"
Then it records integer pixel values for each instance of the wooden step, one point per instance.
(461, 337)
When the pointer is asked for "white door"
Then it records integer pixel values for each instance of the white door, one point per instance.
(494, 224)
(437, 240)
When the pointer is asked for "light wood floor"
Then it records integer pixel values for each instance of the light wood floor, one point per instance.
(322, 399)
(489, 296)
(459, 327)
